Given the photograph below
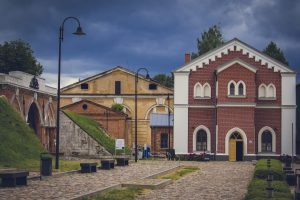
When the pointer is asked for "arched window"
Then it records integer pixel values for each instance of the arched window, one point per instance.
(271, 91)
(262, 91)
(266, 141)
(201, 140)
(236, 136)
(197, 90)
(241, 89)
(232, 89)
(207, 90)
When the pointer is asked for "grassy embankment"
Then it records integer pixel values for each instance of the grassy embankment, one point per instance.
(258, 185)
(19, 146)
(92, 128)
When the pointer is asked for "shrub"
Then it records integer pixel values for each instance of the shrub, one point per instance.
(261, 169)
(258, 185)
(257, 190)
(117, 107)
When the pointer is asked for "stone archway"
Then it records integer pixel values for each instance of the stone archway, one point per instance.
(33, 118)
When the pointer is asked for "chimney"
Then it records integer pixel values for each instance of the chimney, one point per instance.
(187, 58)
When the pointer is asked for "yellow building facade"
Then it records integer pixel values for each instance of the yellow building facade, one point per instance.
(117, 86)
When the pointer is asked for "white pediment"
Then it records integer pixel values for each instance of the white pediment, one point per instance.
(232, 45)
(236, 61)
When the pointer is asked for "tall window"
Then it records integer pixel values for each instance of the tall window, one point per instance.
(201, 140)
(163, 140)
(117, 87)
(266, 141)
(232, 88)
(197, 90)
(241, 89)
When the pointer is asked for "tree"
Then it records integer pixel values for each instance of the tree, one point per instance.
(164, 80)
(275, 52)
(209, 40)
(17, 56)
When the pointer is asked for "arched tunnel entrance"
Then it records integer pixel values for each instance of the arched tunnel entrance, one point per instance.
(33, 119)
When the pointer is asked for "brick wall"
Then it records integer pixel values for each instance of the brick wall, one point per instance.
(271, 118)
(155, 139)
(205, 117)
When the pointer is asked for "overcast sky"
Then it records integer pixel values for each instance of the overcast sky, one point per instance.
(137, 33)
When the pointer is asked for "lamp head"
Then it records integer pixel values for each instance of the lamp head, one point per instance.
(79, 31)
(147, 76)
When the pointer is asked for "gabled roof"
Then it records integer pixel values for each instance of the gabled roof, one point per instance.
(110, 71)
(235, 44)
(93, 103)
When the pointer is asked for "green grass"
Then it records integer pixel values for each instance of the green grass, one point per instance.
(92, 128)
(119, 194)
(257, 187)
(261, 169)
(180, 173)
(19, 146)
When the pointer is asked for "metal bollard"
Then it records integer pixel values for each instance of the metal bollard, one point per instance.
(269, 188)
(297, 189)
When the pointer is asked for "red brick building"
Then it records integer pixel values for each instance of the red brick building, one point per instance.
(34, 101)
(235, 102)
(117, 124)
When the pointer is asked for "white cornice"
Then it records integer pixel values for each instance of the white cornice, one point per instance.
(236, 104)
(114, 96)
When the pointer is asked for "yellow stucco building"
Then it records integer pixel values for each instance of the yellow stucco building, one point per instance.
(118, 86)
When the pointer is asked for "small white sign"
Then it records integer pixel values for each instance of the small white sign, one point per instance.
(120, 143)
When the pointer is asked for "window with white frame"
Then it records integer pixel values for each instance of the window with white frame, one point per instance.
(267, 92)
(262, 91)
(202, 91)
(207, 90)
(236, 89)
(266, 141)
(197, 90)
(271, 91)
(201, 140)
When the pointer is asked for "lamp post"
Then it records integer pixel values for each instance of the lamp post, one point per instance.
(61, 37)
(135, 95)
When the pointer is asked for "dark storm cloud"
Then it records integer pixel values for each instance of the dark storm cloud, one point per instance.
(141, 33)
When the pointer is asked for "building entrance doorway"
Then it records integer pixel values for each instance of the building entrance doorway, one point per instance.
(236, 147)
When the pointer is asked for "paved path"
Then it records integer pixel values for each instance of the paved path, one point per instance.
(70, 186)
(214, 180)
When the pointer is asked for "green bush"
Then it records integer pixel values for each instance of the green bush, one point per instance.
(117, 107)
(257, 190)
(258, 185)
(261, 169)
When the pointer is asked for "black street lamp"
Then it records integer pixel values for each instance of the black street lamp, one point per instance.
(136, 82)
(61, 38)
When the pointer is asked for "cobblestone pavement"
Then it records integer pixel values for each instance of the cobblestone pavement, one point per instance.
(214, 180)
(69, 186)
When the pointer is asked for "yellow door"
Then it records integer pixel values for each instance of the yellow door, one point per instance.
(232, 150)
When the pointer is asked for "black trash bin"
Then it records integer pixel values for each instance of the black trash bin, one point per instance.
(46, 165)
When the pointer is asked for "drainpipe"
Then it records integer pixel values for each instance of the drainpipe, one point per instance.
(216, 111)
